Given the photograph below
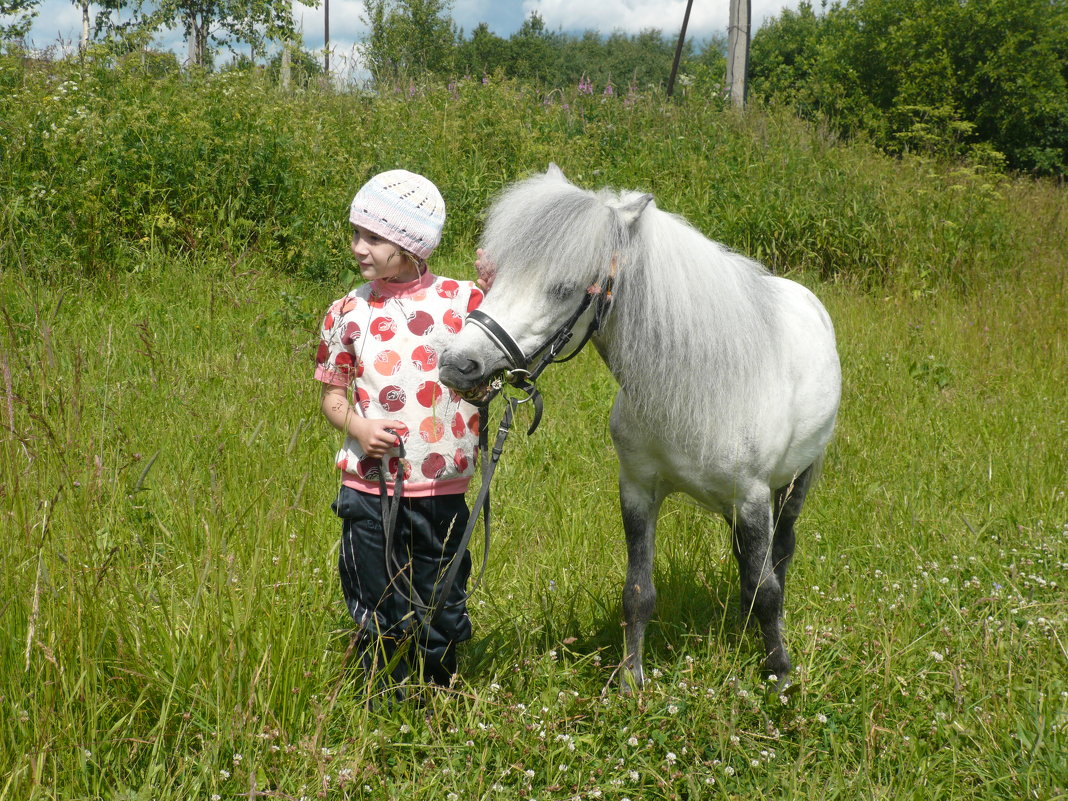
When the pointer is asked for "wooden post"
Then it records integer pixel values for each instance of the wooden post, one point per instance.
(678, 48)
(738, 52)
(285, 71)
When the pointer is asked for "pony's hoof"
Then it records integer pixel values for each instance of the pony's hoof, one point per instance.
(784, 685)
(777, 663)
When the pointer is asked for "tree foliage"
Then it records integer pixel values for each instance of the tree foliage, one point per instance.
(132, 24)
(253, 22)
(985, 80)
(409, 39)
(16, 17)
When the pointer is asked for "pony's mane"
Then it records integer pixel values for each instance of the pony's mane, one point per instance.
(689, 332)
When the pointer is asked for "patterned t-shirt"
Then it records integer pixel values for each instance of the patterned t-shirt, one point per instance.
(382, 341)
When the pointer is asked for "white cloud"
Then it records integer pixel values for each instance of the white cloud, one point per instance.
(633, 16)
(630, 16)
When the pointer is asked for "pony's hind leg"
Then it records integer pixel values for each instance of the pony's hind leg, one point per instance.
(751, 541)
(788, 503)
(640, 504)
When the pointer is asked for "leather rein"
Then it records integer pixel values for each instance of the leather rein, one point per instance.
(522, 378)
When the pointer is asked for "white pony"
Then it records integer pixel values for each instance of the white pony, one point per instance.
(729, 377)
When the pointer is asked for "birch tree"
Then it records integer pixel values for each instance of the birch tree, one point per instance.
(407, 39)
(204, 22)
(253, 22)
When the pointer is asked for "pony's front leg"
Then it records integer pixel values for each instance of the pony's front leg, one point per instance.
(640, 504)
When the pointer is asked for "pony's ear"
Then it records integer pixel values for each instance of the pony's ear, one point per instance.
(555, 172)
(630, 211)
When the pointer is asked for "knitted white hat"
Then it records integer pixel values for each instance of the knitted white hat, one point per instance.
(402, 207)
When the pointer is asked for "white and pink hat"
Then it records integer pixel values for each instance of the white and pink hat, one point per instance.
(402, 207)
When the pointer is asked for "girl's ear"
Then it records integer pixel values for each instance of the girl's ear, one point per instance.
(632, 208)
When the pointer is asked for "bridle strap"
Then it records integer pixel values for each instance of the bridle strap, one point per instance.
(499, 337)
(598, 295)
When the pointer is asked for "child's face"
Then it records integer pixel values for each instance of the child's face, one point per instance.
(380, 258)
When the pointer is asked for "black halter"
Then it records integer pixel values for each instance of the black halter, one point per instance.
(522, 378)
(521, 375)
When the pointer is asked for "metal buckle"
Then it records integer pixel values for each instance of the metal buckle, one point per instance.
(519, 380)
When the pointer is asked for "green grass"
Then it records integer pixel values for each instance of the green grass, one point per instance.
(106, 167)
(172, 622)
(169, 558)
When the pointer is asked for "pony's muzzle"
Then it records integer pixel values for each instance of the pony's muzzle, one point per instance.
(459, 372)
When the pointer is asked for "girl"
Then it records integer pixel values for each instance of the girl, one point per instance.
(378, 362)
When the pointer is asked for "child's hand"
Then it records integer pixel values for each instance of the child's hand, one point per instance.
(378, 436)
(487, 270)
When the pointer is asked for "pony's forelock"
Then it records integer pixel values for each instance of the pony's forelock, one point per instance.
(545, 231)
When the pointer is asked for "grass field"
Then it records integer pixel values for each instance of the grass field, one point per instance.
(173, 626)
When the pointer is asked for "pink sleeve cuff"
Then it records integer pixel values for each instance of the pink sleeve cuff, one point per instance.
(331, 377)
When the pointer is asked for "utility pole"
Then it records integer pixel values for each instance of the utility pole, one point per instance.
(738, 52)
(326, 41)
(678, 48)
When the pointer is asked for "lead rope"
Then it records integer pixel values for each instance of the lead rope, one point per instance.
(489, 458)
(598, 295)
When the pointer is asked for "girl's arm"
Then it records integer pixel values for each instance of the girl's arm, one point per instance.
(376, 436)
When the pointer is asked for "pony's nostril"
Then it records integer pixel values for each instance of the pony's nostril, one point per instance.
(466, 366)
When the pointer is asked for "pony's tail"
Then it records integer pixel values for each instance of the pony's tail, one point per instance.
(817, 469)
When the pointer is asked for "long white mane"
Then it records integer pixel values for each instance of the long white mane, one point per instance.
(692, 331)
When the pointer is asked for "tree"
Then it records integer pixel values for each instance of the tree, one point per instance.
(407, 39)
(252, 22)
(531, 49)
(483, 53)
(304, 68)
(16, 18)
(972, 78)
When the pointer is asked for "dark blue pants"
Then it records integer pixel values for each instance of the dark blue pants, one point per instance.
(378, 597)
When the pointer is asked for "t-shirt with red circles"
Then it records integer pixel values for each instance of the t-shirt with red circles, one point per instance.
(382, 341)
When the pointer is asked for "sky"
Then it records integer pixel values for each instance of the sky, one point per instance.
(60, 20)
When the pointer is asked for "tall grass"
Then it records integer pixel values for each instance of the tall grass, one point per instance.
(172, 622)
(105, 165)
